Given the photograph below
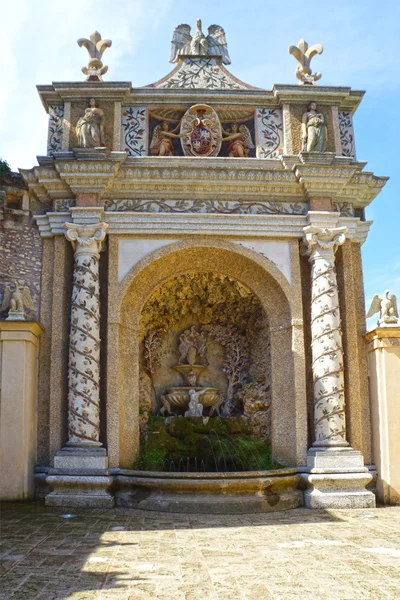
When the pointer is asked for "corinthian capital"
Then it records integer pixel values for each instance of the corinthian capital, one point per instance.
(323, 238)
(86, 238)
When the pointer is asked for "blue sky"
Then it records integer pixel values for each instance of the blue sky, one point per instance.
(361, 50)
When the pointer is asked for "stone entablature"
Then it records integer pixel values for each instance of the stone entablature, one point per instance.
(265, 226)
(290, 182)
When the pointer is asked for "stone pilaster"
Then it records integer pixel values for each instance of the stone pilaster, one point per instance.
(84, 349)
(336, 476)
(383, 344)
(326, 335)
(19, 345)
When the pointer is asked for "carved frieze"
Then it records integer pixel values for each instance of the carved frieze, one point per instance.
(206, 206)
(55, 132)
(346, 209)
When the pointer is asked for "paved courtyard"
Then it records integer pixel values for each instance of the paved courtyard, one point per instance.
(133, 555)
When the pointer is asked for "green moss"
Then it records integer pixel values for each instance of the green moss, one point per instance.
(4, 168)
(220, 444)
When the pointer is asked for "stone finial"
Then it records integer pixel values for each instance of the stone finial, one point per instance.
(387, 308)
(303, 54)
(96, 47)
(16, 299)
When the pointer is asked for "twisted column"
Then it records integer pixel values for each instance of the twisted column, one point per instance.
(84, 345)
(327, 351)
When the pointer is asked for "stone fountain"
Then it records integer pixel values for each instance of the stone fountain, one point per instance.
(192, 363)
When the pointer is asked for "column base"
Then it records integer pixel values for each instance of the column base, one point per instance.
(74, 491)
(80, 479)
(337, 478)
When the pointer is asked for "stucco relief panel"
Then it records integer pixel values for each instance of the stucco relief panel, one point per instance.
(347, 134)
(134, 130)
(269, 132)
(55, 132)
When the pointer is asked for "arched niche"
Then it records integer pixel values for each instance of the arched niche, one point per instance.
(277, 298)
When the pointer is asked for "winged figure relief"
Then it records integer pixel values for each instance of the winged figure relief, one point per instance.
(17, 298)
(183, 44)
(386, 307)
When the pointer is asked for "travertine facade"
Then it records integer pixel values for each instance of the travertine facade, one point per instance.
(199, 176)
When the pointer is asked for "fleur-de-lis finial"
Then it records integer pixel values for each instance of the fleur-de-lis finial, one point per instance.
(95, 46)
(303, 54)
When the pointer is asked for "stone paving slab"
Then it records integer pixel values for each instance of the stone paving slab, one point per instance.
(123, 554)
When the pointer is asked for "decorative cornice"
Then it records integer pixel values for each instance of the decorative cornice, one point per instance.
(343, 97)
(121, 91)
(118, 178)
(60, 92)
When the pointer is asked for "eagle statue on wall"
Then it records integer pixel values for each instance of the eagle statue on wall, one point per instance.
(386, 307)
(16, 299)
(183, 44)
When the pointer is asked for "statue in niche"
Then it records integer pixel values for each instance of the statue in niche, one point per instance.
(387, 308)
(313, 130)
(161, 144)
(90, 127)
(195, 406)
(191, 339)
(240, 141)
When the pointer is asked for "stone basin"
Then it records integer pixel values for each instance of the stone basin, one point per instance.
(178, 397)
(212, 493)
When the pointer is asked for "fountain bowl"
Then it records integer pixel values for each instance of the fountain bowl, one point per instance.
(178, 397)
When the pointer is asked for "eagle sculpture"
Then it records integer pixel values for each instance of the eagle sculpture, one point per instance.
(183, 44)
(387, 308)
(16, 298)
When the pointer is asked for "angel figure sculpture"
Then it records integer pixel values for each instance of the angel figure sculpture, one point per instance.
(387, 308)
(161, 142)
(16, 298)
(240, 141)
(183, 44)
(303, 54)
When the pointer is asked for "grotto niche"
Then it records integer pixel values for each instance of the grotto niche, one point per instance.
(205, 359)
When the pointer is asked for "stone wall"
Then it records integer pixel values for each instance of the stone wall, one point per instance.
(21, 244)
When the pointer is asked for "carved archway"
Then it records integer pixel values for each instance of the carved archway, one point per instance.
(276, 296)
